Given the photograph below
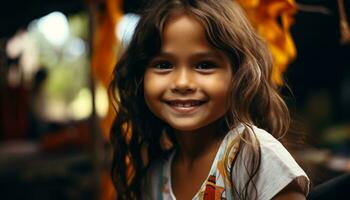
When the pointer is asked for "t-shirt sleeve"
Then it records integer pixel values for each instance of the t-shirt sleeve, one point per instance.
(277, 168)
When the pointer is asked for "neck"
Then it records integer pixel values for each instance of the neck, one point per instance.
(197, 144)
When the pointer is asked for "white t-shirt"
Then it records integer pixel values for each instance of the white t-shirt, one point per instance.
(277, 170)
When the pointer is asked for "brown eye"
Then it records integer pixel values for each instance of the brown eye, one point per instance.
(162, 65)
(206, 65)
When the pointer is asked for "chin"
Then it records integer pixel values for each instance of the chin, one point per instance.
(185, 127)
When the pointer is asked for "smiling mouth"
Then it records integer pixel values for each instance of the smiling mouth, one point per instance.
(185, 106)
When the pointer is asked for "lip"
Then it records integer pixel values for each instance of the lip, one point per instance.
(187, 110)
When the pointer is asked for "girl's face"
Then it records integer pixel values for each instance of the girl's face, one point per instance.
(187, 83)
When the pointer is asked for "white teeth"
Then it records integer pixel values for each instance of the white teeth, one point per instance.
(186, 105)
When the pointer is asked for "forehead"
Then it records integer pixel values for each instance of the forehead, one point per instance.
(184, 31)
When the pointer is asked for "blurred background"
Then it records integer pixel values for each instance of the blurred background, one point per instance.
(56, 60)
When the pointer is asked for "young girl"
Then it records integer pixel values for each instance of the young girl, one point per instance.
(194, 97)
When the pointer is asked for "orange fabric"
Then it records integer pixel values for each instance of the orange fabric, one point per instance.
(103, 61)
(265, 16)
(104, 52)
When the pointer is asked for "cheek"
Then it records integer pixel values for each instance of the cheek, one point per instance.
(219, 90)
(223, 94)
(152, 89)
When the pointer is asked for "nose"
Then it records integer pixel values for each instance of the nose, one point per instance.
(183, 81)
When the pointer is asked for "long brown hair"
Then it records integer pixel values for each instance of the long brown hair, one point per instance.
(136, 133)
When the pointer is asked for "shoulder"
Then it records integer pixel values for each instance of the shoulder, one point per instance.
(271, 147)
(277, 167)
(274, 154)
